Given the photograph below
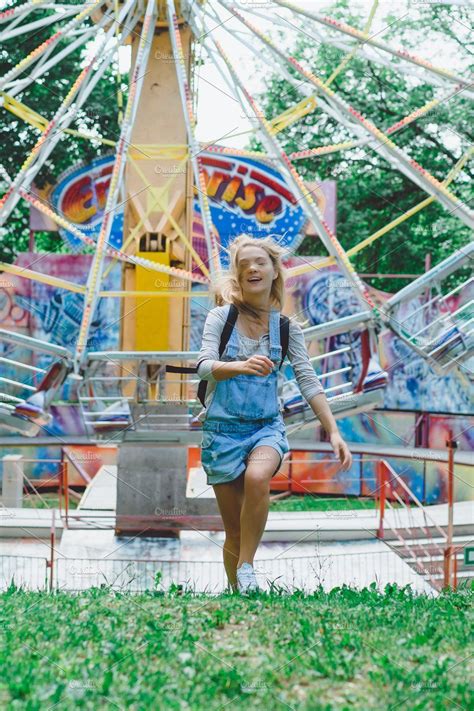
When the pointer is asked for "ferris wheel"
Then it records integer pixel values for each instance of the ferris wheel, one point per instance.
(158, 124)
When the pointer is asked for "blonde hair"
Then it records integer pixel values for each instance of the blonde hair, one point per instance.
(226, 288)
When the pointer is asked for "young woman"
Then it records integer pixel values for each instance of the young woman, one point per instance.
(244, 438)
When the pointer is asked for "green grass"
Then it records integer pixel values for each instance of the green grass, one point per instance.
(310, 502)
(47, 501)
(345, 649)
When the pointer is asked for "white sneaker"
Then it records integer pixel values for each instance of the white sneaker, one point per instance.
(246, 580)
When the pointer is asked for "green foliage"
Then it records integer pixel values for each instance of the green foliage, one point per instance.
(371, 192)
(341, 649)
(310, 502)
(17, 138)
(45, 501)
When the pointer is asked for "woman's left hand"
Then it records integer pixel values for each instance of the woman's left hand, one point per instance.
(342, 450)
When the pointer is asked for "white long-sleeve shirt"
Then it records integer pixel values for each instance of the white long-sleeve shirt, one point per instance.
(308, 381)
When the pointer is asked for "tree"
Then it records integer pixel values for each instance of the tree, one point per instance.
(371, 192)
(17, 138)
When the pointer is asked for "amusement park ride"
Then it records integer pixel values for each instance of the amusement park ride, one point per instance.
(129, 391)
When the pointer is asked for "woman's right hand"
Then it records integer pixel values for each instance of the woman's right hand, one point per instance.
(255, 365)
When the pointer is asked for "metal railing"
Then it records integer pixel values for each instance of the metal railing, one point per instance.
(433, 560)
(306, 573)
(28, 572)
(442, 334)
(387, 478)
(27, 390)
(364, 479)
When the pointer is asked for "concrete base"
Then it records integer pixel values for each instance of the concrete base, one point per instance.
(101, 492)
(28, 523)
(151, 487)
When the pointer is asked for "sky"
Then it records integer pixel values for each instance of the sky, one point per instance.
(222, 119)
(229, 120)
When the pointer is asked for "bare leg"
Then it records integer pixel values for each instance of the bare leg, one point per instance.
(262, 463)
(230, 499)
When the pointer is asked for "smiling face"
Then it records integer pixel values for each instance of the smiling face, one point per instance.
(256, 273)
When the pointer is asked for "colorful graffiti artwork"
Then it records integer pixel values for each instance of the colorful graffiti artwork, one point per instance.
(54, 315)
(324, 295)
(80, 195)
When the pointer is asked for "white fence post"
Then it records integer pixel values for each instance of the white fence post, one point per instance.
(12, 483)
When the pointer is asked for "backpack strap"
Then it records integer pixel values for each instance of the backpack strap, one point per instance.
(227, 330)
(180, 369)
(225, 335)
(284, 337)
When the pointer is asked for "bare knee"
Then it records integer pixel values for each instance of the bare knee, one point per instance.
(256, 481)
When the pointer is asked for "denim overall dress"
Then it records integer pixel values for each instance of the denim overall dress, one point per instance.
(244, 413)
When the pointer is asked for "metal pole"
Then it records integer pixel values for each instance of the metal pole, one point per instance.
(61, 487)
(449, 569)
(380, 469)
(66, 491)
(51, 557)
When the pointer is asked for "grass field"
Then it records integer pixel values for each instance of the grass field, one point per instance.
(46, 501)
(345, 649)
(308, 502)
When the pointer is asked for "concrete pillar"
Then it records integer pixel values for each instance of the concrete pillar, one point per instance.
(151, 482)
(12, 482)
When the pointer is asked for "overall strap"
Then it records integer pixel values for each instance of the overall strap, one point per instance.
(274, 328)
